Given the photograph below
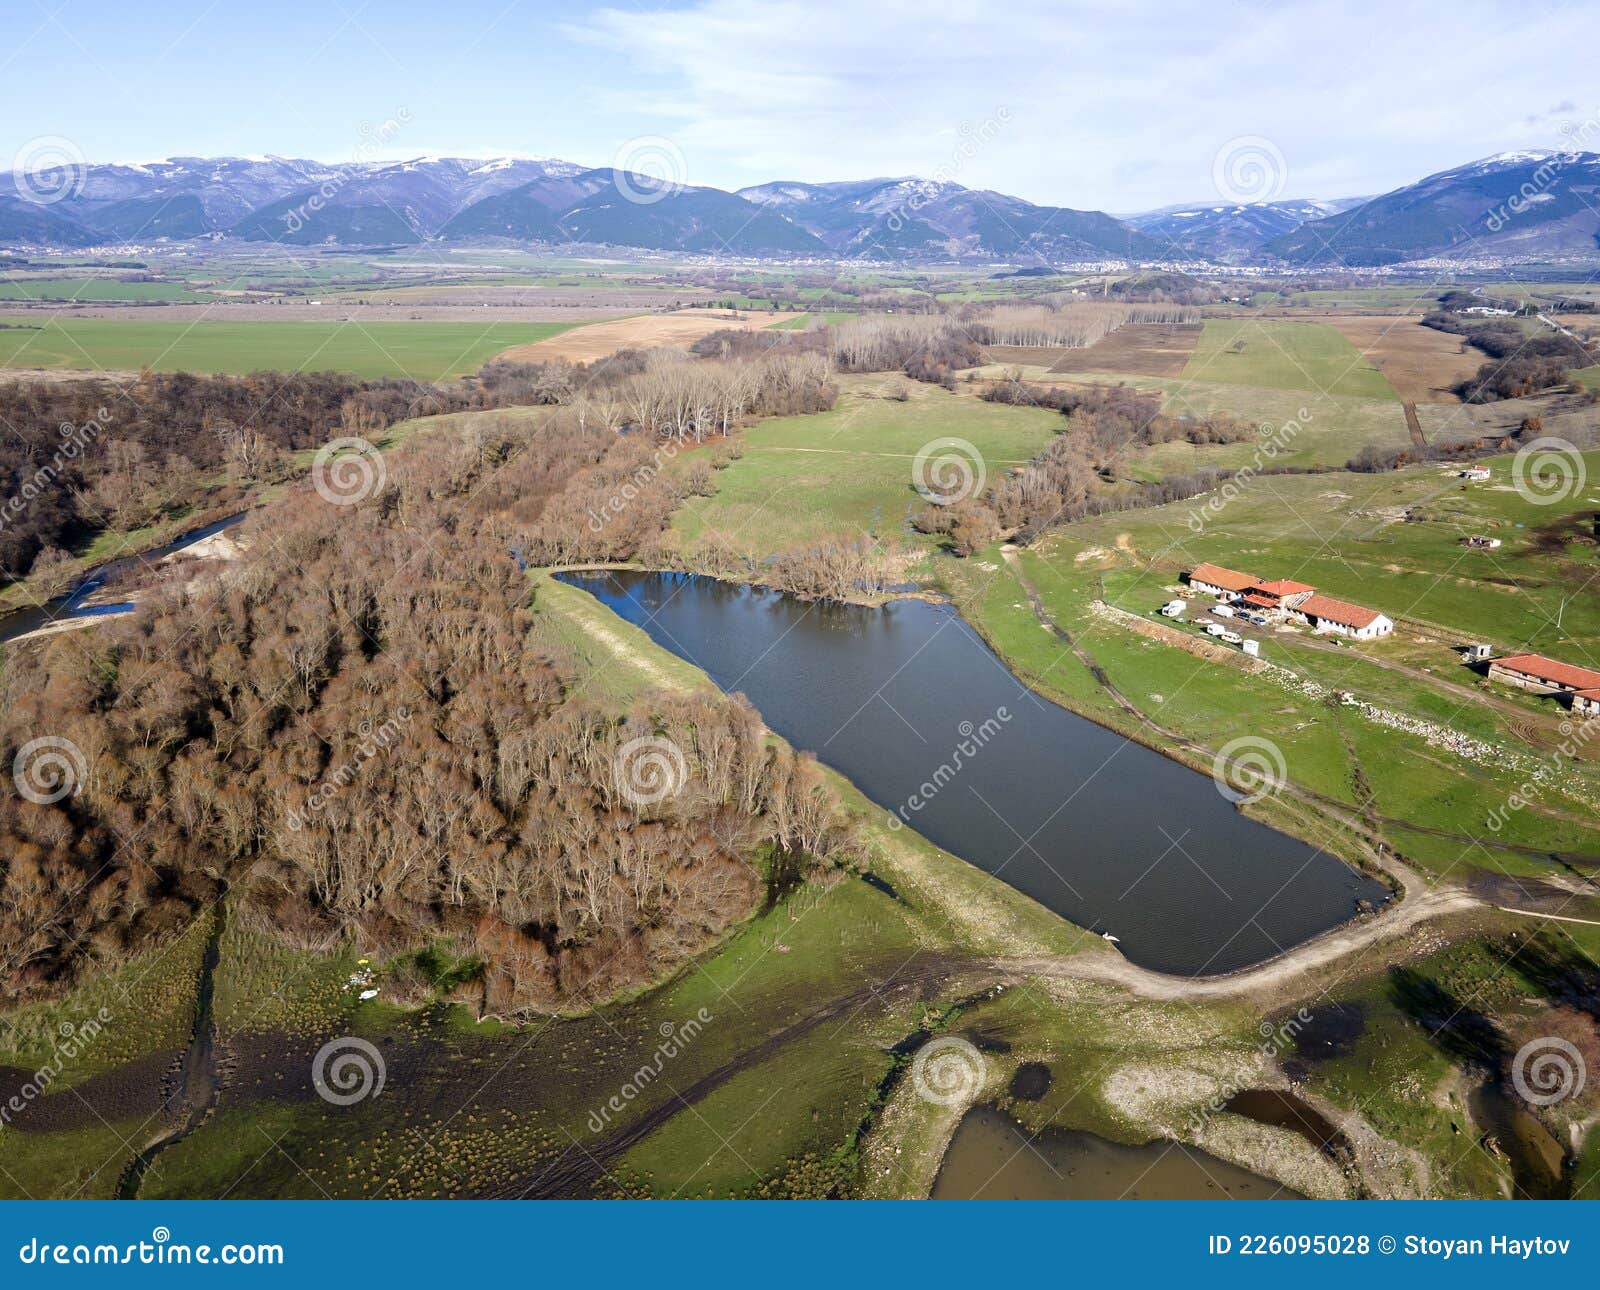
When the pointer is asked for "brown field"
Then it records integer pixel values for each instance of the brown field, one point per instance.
(1141, 349)
(644, 331)
(1419, 362)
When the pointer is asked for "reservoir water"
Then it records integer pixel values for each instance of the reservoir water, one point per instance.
(910, 704)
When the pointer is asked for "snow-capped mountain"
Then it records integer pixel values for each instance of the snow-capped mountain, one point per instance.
(1230, 233)
(1530, 204)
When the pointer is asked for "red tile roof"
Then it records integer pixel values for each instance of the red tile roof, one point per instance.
(1258, 600)
(1284, 587)
(1339, 611)
(1228, 579)
(1552, 671)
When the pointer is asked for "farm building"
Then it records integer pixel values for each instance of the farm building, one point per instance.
(1580, 686)
(1224, 584)
(1282, 593)
(1325, 614)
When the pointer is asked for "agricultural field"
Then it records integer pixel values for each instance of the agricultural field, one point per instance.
(1284, 356)
(85, 289)
(1143, 349)
(1420, 363)
(423, 351)
(836, 475)
(602, 339)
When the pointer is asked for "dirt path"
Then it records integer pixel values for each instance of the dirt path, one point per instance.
(1414, 425)
(1301, 969)
(198, 1081)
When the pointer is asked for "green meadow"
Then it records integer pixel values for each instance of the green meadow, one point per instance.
(421, 351)
(1284, 356)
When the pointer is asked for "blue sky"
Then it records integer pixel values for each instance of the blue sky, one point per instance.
(1116, 106)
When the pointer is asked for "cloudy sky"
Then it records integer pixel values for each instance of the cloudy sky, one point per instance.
(1116, 106)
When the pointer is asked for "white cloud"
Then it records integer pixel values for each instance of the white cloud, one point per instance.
(1117, 108)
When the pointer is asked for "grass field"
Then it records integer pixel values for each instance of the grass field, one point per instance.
(421, 351)
(94, 289)
(837, 474)
(1284, 356)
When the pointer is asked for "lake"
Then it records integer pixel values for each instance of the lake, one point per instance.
(912, 705)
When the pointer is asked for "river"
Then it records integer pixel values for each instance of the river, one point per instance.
(1103, 831)
(22, 621)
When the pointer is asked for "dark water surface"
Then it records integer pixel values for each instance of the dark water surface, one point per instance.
(1103, 831)
(991, 1157)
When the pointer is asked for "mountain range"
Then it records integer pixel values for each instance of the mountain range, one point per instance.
(1520, 205)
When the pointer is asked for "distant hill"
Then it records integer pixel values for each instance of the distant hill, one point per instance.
(1230, 233)
(885, 219)
(1516, 205)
